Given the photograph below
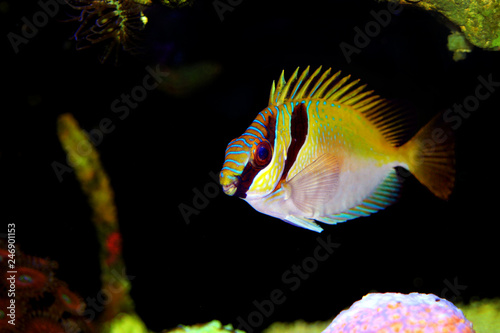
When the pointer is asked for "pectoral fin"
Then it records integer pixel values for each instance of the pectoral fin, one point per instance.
(315, 184)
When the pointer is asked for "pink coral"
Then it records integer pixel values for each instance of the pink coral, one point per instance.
(394, 312)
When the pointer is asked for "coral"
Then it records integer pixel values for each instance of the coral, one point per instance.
(125, 323)
(477, 20)
(458, 44)
(115, 21)
(42, 325)
(113, 247)
(67, 300)
(176, 3)
(299, 326)
(394, 312)
(42, 302)
(95, 183)
(31, 282)
(212, 327)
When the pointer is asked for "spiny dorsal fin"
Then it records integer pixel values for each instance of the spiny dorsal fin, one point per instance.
(391, 119)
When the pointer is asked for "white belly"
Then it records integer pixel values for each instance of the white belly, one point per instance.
(357, 180)
(355, 185)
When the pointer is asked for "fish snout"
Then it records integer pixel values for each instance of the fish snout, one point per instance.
(230, 185)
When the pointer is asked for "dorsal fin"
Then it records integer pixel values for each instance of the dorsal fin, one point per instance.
(391, 119)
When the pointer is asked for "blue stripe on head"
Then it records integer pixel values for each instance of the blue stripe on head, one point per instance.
(258, 137)
(236, 157)
(230, 169)
(260, 122)
(230, 146)
(236, 152)
(256, 130)
(244, 141)
(242, 162)
(234, 161)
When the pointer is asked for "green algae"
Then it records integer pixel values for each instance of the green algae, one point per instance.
(484, 315)
(476, 23)
(214, 326)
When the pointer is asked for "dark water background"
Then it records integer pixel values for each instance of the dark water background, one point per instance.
(229, 257)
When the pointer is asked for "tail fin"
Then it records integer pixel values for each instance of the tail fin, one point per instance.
(432, 157)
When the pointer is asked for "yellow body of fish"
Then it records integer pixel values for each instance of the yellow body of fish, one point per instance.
(325, 149)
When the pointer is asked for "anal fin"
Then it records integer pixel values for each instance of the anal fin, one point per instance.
(303, 223)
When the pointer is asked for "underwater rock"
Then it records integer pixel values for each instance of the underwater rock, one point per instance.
(477, 20)
(458, 44)
(394, 312)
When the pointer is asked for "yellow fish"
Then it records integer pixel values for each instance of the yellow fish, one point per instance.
(326, 150)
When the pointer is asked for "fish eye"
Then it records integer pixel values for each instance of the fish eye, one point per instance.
(262, 154)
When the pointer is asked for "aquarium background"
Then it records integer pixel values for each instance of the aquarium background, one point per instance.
(224, 261)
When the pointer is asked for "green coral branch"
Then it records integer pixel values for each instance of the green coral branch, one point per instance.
(84, 159)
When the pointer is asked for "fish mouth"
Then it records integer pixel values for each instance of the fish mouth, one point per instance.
(230, 189)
